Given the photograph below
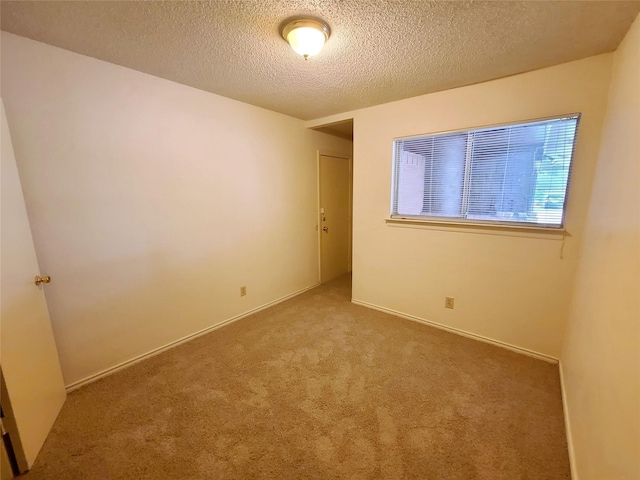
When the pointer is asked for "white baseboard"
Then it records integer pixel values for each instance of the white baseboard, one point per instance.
(567, 426)
(120, 366)
(464, 333)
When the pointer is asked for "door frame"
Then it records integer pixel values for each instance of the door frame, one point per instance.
(326, 153)
(11, 435)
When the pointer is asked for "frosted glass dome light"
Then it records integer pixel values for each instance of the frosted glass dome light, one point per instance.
(306, 37)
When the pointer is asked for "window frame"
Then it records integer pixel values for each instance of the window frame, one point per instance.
(480, 223)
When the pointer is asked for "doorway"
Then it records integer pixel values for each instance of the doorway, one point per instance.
(334, 215)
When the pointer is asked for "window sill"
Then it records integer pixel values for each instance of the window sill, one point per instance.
(480, 228)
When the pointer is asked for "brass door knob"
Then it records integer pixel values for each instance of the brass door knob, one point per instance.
(40, 279)
(325, 229)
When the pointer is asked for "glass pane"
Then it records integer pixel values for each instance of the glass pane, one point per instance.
(520, 173)
(502, 180)
(430, 175)
(511, 174)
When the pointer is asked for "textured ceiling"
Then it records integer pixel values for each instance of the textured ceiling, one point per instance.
(379, 51)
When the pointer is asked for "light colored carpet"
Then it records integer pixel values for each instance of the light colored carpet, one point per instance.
(317, 388)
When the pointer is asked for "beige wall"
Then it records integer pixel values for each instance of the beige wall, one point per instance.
(151, 203)
(511, 288)
(601, 354)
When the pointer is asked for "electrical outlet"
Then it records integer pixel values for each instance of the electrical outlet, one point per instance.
(448, 302)
(243, 292)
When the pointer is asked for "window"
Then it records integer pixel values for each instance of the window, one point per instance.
(513, 174)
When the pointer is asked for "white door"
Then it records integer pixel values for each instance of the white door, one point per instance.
(335, 216)
(28, 354)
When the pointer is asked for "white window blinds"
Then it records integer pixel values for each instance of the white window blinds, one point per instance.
(515, 174)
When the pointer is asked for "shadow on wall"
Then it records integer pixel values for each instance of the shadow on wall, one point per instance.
(130, 307)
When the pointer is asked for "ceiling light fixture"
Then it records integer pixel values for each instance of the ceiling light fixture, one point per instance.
(306, 36)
